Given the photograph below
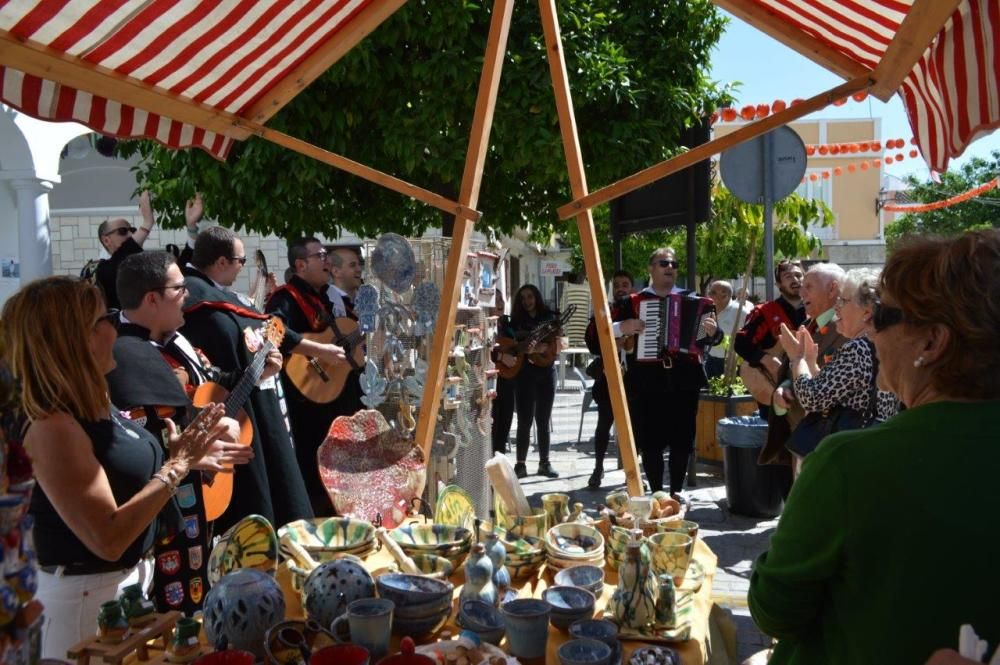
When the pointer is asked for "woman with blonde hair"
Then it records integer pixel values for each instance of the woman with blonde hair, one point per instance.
(102, 481)
(859, 570)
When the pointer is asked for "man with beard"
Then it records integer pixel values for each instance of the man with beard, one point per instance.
(303, 304)
(663, 394)
(228, 331)
(820, 290)
(757, 341)
(156, 373)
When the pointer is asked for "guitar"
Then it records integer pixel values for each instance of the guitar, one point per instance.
(318, 380)
(519, 348)
(218, 490)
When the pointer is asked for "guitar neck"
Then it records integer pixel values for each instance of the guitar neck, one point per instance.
(239, 394)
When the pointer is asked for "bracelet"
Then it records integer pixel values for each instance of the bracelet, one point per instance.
(192, 231)
(171, 487)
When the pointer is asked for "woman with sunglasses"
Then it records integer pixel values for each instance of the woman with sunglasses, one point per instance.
(846, 382)
(103, 482)
(857, 570)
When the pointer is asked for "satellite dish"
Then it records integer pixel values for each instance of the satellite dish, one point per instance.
(743, 166)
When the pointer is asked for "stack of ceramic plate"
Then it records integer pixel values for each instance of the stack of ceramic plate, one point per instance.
(327, 538)
(422, 604)
(451, 542)
(574, 544)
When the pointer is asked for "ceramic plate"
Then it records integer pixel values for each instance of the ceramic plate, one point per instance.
(454, 508)
(369, 469)
(451, 646)
(250, 543)
(393, 262)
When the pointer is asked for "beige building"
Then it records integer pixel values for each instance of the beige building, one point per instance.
(857, 235)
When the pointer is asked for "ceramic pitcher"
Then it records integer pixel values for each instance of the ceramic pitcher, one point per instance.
(498, 556)
(634, 601)
(556, 506)
(479, 577)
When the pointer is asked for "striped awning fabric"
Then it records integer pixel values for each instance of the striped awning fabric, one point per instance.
(222, 54)
(952, 95)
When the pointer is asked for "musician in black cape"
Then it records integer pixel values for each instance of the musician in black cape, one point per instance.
(228, 331)
(663, 395)
(303, 304)
(156, 372)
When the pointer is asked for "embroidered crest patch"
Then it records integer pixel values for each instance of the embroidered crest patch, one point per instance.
(174, 594)
(194, 557)
(195, 588)
(169, 562)
(191, 526)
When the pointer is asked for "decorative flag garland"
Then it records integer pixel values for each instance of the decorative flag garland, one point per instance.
(946, 203)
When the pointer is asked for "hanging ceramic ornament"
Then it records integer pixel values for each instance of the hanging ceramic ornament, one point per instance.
(366, 307)
(426, 300)
(373, 385)
(393, 262)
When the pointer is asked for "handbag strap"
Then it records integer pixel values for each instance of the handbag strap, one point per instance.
(872, 411)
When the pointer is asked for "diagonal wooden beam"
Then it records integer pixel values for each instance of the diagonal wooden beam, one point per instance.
(588, 243)
(76, 73)
(334, 49)
(706, 150)
(922, 23)
(771, 24)
(475, 158)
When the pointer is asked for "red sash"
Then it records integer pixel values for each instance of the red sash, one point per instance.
(310, 305)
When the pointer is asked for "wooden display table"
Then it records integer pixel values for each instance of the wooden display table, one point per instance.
(693, 651)
(147, 644)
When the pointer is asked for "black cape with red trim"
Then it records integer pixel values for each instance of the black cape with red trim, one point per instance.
(271, 484)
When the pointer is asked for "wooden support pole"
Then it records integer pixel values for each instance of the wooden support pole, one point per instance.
(588, 242)
(706, 150)
(475, 158)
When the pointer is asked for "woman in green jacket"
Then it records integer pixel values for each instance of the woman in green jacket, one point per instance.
(880, 556)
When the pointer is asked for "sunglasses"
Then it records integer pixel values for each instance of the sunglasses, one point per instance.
(176, 287)
(667, 263)
(884, 316)
(111, 316)
(122, 231)
(242, 260)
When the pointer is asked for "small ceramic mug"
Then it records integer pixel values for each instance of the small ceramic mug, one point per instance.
(617, 501)
(368, 624)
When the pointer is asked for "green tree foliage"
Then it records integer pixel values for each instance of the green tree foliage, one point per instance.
(979, 213)
(724, 242)
(402, 101)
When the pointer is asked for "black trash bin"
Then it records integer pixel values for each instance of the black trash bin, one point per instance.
(752, 489)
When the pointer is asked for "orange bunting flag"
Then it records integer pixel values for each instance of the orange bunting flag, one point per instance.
(946, 203)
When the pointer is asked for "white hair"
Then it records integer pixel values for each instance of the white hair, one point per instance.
(827, 273)
(723, 284)
(862, 283)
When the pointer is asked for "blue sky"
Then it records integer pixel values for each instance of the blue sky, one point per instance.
(769, 70)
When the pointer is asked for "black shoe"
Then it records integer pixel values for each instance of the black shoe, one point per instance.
(545, 469)
(595, 480)
(520, 470)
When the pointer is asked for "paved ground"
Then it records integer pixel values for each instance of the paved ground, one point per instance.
(737, 540)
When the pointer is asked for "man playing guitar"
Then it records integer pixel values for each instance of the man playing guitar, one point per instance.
(303, 305)
(663, 394)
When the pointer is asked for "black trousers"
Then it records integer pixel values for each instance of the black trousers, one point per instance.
(503, 414)
(605, 419)
(663, 417)
(535, 393)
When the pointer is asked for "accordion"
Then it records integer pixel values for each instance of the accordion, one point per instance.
(675, 324)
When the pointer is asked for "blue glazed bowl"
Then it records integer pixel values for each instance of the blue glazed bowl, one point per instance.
(584, 652)
(569, 604)
(478, 616)
(590, 578)
(417, 628)
(409, 590)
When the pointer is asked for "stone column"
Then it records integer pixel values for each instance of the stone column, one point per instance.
(34, 239)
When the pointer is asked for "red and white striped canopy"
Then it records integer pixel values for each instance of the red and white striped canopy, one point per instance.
(223, 54)
(952, 95)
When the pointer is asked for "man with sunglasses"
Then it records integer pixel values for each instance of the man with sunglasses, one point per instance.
(663, 395)
(121, 240)
(305, 307)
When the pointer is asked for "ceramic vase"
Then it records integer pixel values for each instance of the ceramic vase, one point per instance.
(241, 607)
(498, 556)
(634, 601)
(334, 585)
(479, 577)
(111, 623)
(556, 505)
(184, 646)
(666, 602)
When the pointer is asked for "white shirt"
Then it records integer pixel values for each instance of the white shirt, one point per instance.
(336, 296)
(727, 319)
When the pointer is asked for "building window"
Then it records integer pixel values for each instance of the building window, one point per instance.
(820, 189)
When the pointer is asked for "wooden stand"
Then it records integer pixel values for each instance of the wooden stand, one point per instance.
(154, 636)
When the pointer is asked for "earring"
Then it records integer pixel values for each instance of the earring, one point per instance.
(919, 362)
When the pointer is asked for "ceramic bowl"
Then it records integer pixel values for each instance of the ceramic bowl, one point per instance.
(674, 524)
(586, 577)
(569, 605)
(281, 651)
(405, 590)
(557, 563)
(418, 628)
(479, 616)
(434, 566)
(431, 538)
(617, 501)
(332, 533)
(423, 610)
(601, 630)
(534, 525)
(584, 652)
(574, 541)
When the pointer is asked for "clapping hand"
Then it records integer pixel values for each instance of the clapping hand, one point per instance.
(191, 445)
(791, 343)
(193, 210)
